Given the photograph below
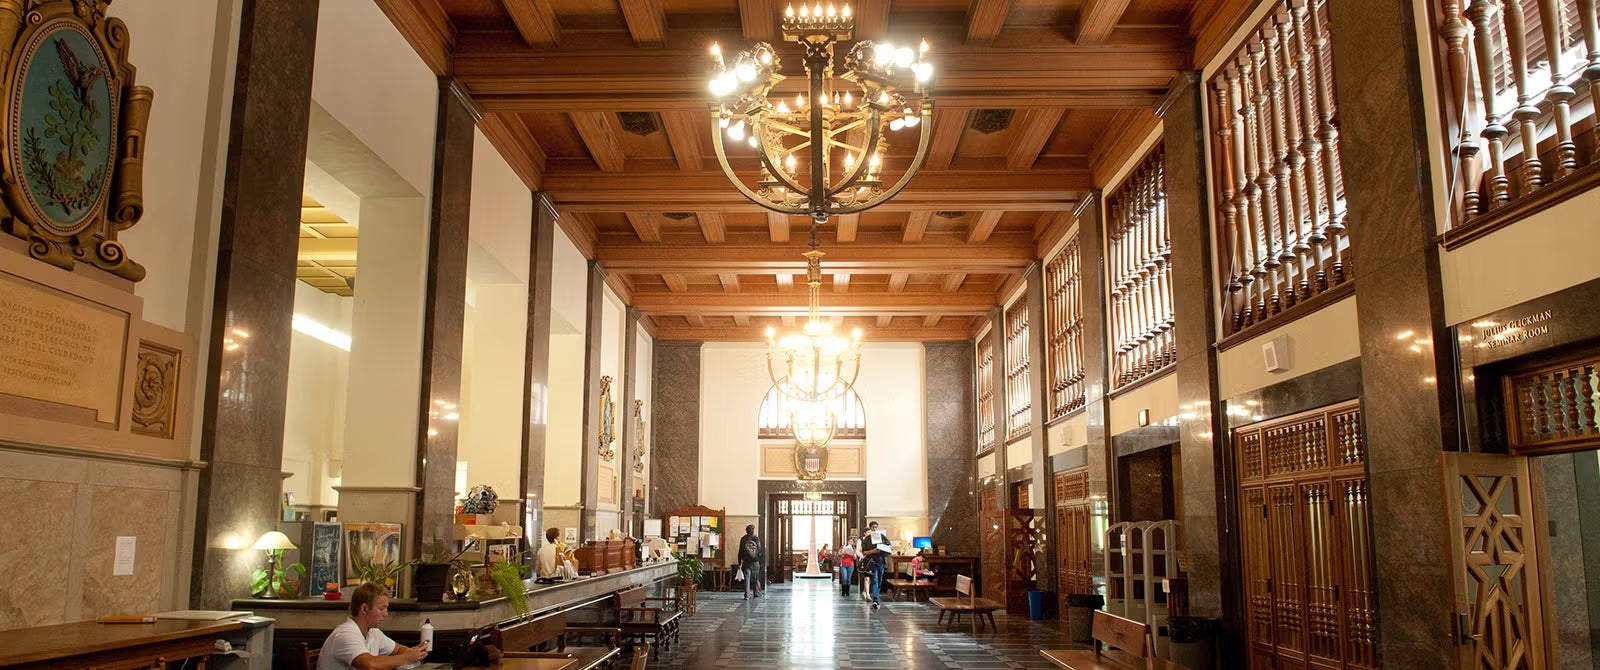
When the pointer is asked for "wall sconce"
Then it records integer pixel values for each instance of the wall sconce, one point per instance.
(1144, 417)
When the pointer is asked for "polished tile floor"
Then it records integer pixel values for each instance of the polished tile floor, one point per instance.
(808, 625)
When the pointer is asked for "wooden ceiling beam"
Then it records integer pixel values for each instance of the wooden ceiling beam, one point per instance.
(985, 19)
(983, 225)
(327, 249)
(948, 123)
(647, 21)
(535, 21)
(1030, 131)
(845, 227)
(785, 281)
(1119, 143)
(931, 321)
(712, 227)
(916, 225)
(683, 133)
(729, 281)
(953, 329)
(1096, 19)
(841, 282)
(773, 304)
(672, 190)
(1213, 23)
(427, 27)
(885, 320)
(695, 320)
(758, 19)
(953, 281)
(511, 138)
(511, 99)
(897, 281)
(645, 225)
(675, 282)
(778, 227)
(762, 258)
(741, 320)
(595, 130)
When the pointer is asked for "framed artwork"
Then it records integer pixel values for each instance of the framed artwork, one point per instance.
(608, 420)
(327, 556)
(370, 544)
(638, 436)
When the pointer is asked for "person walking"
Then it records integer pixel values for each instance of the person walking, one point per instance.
(751, 551)
(847, 566)
(875, 545)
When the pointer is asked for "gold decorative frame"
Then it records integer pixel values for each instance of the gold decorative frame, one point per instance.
(638, 436)
(608, 420)
(118, 203)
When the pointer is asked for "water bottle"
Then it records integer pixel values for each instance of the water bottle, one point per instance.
(427, 635)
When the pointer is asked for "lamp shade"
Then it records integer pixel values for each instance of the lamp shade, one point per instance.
(272, 540)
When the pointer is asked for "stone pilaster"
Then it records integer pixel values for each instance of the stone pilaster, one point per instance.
(1044, 492)
(536, 375)
(675, 431)
(593, 335)
(997, 376)
(949, 420)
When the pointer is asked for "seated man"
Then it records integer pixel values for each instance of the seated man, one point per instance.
(357, 644)
(547, 563)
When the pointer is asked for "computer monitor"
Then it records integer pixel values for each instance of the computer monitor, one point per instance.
(921, 543)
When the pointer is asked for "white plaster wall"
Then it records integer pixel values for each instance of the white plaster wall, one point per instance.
(1316, 341)
(502, 209)
(1068, 433)
(612, 341)
(569, 282)
(1019, 453)
(493, 363)
(370, 79)
(563, 465)
(733, 380)
(1159, 396)
(313, 426)
(186, 57)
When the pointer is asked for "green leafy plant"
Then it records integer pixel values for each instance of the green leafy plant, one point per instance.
(438, 552)
(508, 576)
(277, 582)
(385, 574)
(689, 567)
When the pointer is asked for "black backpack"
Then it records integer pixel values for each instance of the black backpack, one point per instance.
(750, 549)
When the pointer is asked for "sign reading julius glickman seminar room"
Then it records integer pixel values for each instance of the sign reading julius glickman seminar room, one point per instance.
(60, 349)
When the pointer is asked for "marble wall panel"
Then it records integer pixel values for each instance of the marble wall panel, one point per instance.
(675, 432)
(541, 268)
(117, 511)
(33, 592)
(950, 411)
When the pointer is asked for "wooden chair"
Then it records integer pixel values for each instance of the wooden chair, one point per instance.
(1131, 639)
(519, 638)
(641, 657)
(654, 625)
(309, 656)
(971, 604)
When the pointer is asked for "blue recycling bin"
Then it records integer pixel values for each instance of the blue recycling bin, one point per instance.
(1036, 604)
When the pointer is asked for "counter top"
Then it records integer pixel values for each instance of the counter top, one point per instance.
(51, 643)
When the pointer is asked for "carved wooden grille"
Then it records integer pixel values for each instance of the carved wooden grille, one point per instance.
(1139, 275)
(1553, 407)
(1275, 160)
(986, 418)
(1064, 320)
(1074, 548)
(1019, 373)
(1514, 118)
(1072, 486)
(776, 420)
(1495, 560)
(1303, 540)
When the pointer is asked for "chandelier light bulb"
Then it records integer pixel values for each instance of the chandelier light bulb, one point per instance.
(736, 131)
(883, 54)
(847, 99)
(846, 13)
(831, 12)
(805, 12)
(753, 143)
(896, 124)
(799, 102)
(911, 118)
(849, 161)
(922, 49)
(923, 71)
(789, 162)
(783, 107)
(746, 70)
(766, 57)
(904, 57)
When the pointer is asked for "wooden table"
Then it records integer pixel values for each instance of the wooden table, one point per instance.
(89, 644)
(1056, 656)
(531, 664)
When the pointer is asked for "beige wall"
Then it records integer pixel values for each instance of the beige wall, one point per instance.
(1159, 396)
(313, 423)
(1068, 433)
(1537, 256)
(563, 451)
(1316, 341)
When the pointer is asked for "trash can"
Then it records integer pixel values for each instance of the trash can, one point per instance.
(1036, 604)
(1193, 641)
(1080, 616)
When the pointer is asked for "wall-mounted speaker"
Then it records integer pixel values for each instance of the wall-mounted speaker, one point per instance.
(1275, 354)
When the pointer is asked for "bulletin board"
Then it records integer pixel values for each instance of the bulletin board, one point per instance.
(697, 530)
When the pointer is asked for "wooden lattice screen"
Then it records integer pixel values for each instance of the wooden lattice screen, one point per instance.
(1064, 319)
(986, 414)
(1275, 159)
(1139, 276)
(1552, 407)
(1019, 373)
(1303, 539)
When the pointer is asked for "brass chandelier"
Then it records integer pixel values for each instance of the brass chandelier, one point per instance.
(814, 367)
(836, 132)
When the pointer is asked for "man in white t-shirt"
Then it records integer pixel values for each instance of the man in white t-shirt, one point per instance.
(357, 644)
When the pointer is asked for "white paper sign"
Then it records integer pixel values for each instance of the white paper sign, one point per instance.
(123, 564)
(652, 528)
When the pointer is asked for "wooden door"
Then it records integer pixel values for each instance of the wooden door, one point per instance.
(1495, 561)
(785, 566)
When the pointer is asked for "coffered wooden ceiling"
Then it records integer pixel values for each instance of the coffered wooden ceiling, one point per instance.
(602, 104)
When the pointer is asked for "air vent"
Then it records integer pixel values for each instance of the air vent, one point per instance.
(678, 216)
(950, 215)
(640, 123)
(988, 121)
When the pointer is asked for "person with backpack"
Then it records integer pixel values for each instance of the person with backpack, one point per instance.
(751, 552)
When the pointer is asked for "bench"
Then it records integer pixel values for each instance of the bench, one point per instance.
(654, 625)
(970, 604)
(1130, 638)
(519, 638)
(925, 586)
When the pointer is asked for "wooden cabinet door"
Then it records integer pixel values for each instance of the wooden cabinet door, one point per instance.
(1495, 562)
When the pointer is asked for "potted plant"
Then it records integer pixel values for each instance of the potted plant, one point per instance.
(434, 570)
(689, 570)
(384, 574)
(274, 581)
(508, 576)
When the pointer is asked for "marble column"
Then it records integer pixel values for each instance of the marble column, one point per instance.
(444, 309)
(1043, 496)
(247, 379)
(1091, 279)
(949, 371)
(594, 334)
(675, 432)
(997, 376)
(536, 370)
(625, 425)
(1194, 312)
(1409, 418)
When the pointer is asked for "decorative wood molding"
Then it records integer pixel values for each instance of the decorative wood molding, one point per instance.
(985, 19)
(1581, 180)
(1096, 19)
(712, 227)
(516, 146)
(647, 21)
(428, 29)
(916, 225)
(535, 21)
(983, 225)
(794, 302)
(1291, 315)
(845, 227)
(595, 130)
(683, 133)
(759, 20)
(645, 225)
(1031, 130)
(778, 227)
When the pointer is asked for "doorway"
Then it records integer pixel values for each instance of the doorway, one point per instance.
(802, 527)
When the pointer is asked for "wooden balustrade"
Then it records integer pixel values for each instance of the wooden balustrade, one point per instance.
(1019, 373)
(1278, 187)
(986, 418)
(1511, 72)
(1139, 275)
(1064, 319)
(776, 420)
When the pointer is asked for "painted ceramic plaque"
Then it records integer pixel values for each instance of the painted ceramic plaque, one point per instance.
(63, 126)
